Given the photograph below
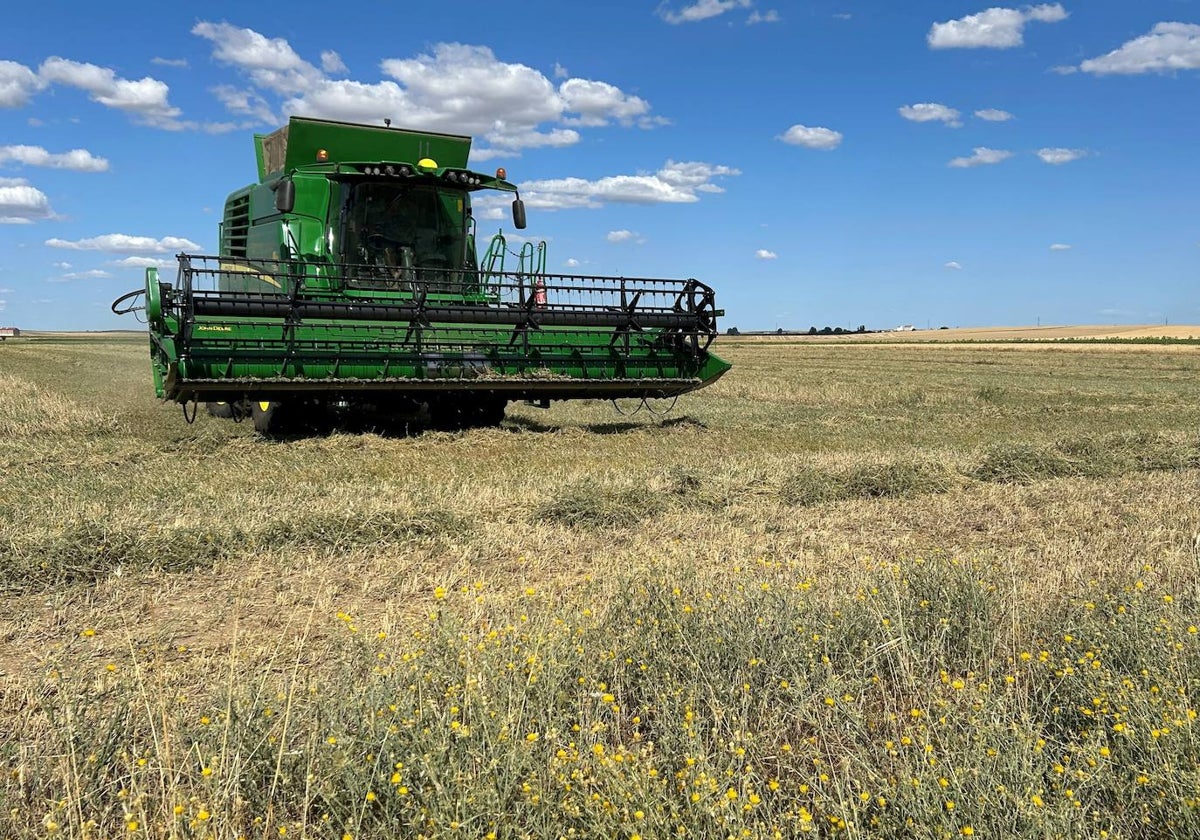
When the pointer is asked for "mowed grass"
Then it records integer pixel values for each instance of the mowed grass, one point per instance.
(905, 591)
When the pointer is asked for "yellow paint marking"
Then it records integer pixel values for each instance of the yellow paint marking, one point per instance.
(245, 269)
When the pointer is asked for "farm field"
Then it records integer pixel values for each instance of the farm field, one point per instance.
(1034, 335)
(895, 591)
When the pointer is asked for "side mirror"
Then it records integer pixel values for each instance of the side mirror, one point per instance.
(519, 213)
(285, 195)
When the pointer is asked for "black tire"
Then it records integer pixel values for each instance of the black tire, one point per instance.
(263, 415)
(220, 410)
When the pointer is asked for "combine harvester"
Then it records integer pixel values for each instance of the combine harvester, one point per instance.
(348, 284)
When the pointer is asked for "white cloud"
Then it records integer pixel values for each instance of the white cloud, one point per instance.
(930, 112)
(79, 160)
(62, 266)
(144, 99)
(142, 262)
(1058, 246)
(983, 156)
(770, 16)
(700, 10)
(17, 84)
(571, 262)
(91, 274)
(455, 87)
(169, 62)
(997, 28)
(1167, 48)
(22, 204)
(245, 102)
(270, 62)
(331, 62)
(954, 265)
(121, 243)
(764, 254)
(675, 183)
(818, 137)
(994, 115)
(598, 102)
(1057, 157)
(3, 305)
(618, 236)
(466, 89)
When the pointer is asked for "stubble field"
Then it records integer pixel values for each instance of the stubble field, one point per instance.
(894, 590)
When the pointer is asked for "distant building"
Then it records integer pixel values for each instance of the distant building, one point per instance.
(905, 328)
(7, 332)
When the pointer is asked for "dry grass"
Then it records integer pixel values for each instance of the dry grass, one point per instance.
(1034, 334)
(827, 541)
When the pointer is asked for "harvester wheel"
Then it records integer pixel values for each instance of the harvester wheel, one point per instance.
(263, 416)
(222, 410)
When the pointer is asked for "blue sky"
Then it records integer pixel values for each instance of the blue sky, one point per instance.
(837, 162)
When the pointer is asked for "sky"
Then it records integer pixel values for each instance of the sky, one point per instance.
(825, 163)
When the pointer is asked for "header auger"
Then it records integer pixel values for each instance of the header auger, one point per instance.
(348, 283)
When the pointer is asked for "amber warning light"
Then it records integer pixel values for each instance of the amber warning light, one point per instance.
(322, 155)
(501, 173)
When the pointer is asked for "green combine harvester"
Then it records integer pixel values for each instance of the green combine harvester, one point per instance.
(348, 284)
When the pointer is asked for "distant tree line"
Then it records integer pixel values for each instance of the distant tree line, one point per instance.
(811, 331)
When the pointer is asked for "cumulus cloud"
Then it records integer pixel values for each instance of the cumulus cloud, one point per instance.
(1059, 246)
(455, 87)
(245, 102)
(764, 254)
(770, 16)
(90, 274)
(331, 62)
(79, 160)
(270, 62)
(996, 28)
(598, 102)
(121, 243)
(701, 10)
(22, 204)
(983, 156)
(169, 62)
(677, 182)
(930, 112)
(18, 84)
(144, 99)
(141, 262)
(1168, 47)
(818, 137)
(994, 115)
(618, 236)
(954, 265)
(1056, 157)
(571, 262)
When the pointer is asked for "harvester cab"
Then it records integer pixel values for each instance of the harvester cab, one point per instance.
(348, 281)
